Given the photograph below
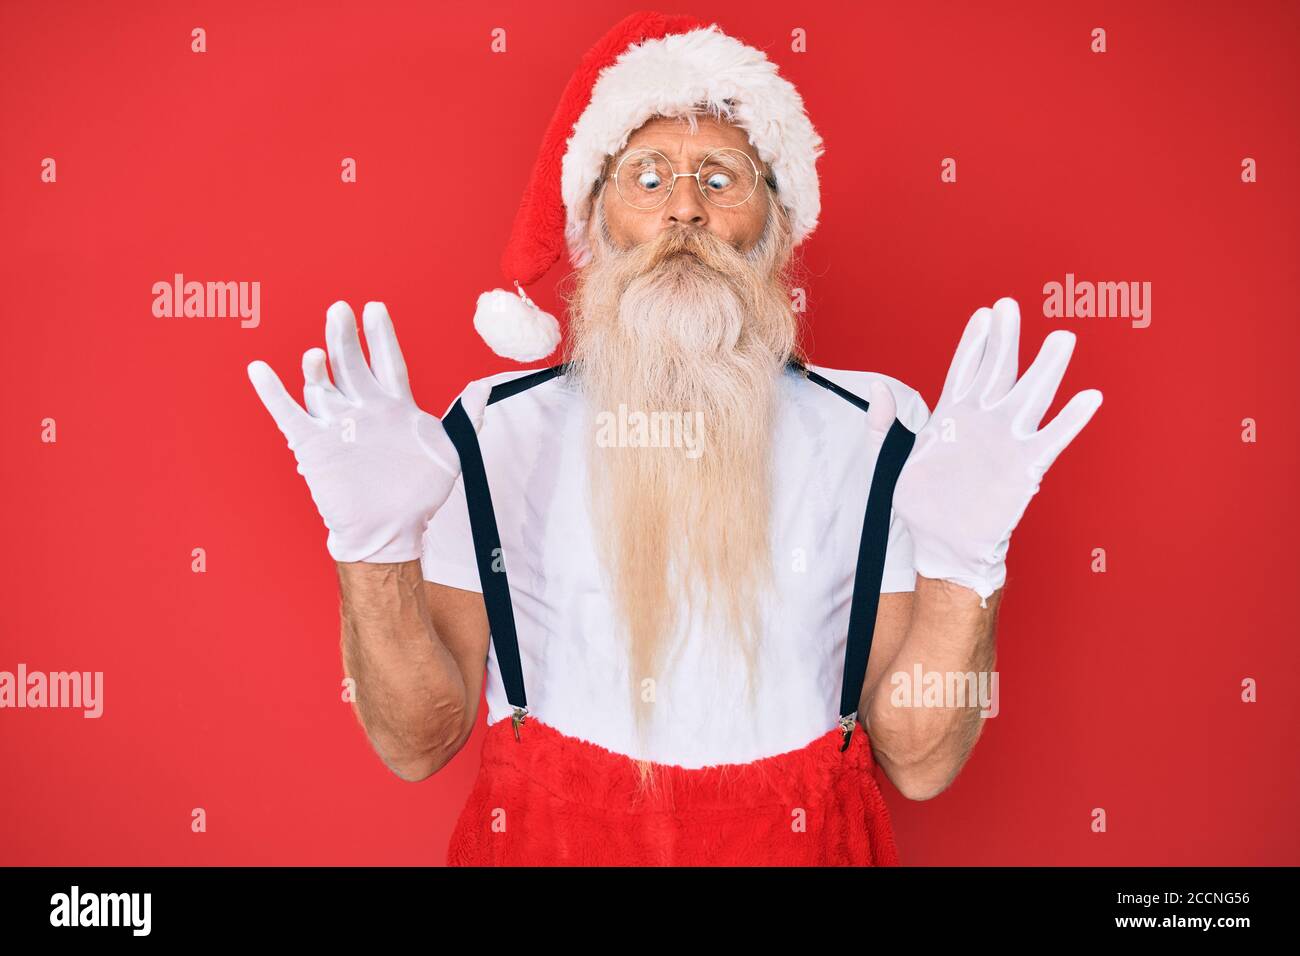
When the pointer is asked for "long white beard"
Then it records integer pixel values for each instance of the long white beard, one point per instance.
(706, 336)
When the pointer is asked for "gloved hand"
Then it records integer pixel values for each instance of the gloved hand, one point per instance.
(980, 457)
(376, 465)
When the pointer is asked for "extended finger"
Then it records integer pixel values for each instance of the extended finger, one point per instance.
(966, 360)
(1060, 431)
(385, 354)
(323, 400)
(1035, 391)
(289, 416)
(348, 363)
(997, 373)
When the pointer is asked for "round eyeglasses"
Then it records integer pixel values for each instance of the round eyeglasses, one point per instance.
(645, 178)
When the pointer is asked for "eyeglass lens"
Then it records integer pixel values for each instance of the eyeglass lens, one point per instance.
(645, 177)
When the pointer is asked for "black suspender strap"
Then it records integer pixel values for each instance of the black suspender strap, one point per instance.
(871, 557)
(525, 382)
(871, 570)
(487, 550)
(487, 538)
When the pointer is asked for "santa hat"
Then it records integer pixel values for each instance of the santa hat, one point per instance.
(649, 64)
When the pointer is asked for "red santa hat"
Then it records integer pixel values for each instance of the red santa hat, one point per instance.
(649, 64)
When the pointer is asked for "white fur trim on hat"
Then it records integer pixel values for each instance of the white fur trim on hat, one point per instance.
(671, 76)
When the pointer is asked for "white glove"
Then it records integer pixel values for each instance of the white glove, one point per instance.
(376, 465)
(980, 458)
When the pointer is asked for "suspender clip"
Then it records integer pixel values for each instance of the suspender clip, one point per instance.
(847, 723)
(520, 715)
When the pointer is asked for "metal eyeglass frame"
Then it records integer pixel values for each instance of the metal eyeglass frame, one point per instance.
(695, 175)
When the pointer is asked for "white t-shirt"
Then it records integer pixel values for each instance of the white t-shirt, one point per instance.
(574, 664)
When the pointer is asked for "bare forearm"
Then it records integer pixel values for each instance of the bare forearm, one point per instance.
(922, 748)
(410, 695)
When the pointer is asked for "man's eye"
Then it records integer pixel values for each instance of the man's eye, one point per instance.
(719, 181)
(649, 180)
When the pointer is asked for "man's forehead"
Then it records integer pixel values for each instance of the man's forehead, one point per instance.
(674, 138)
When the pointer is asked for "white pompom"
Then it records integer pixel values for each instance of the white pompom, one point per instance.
(514, 327)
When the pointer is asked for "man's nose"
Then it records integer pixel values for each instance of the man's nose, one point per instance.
(685, 205)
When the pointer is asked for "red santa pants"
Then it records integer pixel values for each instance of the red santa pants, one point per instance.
(548, 799)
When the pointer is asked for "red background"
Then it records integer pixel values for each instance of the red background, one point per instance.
(1119, 690)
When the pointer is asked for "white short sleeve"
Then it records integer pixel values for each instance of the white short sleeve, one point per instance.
(900, 574)
(900, 571)
(447, 556)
